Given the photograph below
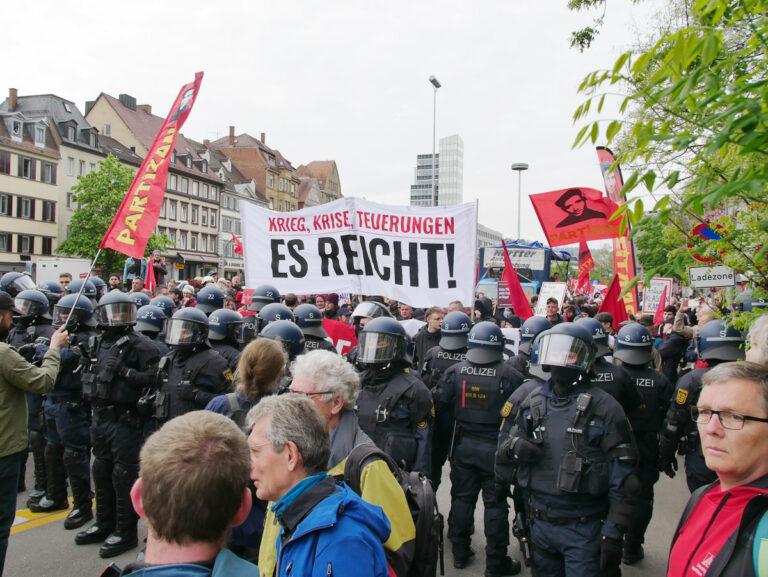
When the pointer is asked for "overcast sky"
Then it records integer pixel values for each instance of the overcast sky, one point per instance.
(344, 80)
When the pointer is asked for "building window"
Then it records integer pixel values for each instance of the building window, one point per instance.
(71, 133)
(280, 185)
(26, 208)
(5, 162)
(193, 241)
(93, 140)
(194, 215)
(189, 161)
(5, 242)
(214, 192)
(271, 181)
(173, 182)
(195, 188)
(172, 209)
(183, 208)
(205, 191)
(172, 235)
(27, 167)
(204, 216)
(49, 211)
(184, 185)
(204, 166)
(107, 130)
(47, 245)
(6, 201)
(17, 130)
(40, 136)
(81, 169)
(70, 166)
(26, 244)
(163, 208)
(92, 167)
(204, 243)
(213, 218)
(182, 239)
(49, 173)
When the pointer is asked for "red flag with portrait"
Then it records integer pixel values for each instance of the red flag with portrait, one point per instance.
(139, 212)
(576, 214)
(586, 264)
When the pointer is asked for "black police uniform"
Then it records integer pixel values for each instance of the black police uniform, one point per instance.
(521, 362)
(436, 361)
(312, 343)
(615, 381)
(474, 395)
(157, 341)
(230, 353)
(119, 364)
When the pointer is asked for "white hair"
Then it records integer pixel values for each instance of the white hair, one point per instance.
(758, 340)
(330, 373)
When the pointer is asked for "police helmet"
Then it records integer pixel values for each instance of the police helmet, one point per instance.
(288, 333)
(263, 294)
(717, 341)
(141, 299)
(89, 291)
(454, 329)
(165, 303)
(150, 318)
(633, 344)
(599, 336)
(310, 320)
(273, 312)
(15, 282)
(81, 308)
(31, 304)
(225, 324)
(485, 343)
(210, 298)
(187, 327)
(381, 341)
(529, 330)
(564, 345)
(116, 309)
(755, 304)
(101, 286)
(52, 290)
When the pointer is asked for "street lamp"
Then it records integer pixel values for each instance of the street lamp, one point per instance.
(519, 167)
(435, 84)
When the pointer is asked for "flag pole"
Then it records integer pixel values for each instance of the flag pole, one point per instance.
(82, 286)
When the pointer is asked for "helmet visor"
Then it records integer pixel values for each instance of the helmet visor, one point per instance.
(564, 351)
(378, 348)
(367, 310)
(184, 332)
(22, 283)
(28, 308)
(116, 314)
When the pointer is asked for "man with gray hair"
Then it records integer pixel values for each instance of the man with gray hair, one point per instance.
(758, 341)
(332, 384)
(324, 528)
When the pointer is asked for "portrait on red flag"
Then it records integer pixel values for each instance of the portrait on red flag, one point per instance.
(575, 214)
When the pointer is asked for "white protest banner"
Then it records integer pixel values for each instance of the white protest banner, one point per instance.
(417, 255)
(652, 293)
(511, 341)
(549, 290)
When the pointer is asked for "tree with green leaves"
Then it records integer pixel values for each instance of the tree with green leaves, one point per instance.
(693, 127)
(98, 196)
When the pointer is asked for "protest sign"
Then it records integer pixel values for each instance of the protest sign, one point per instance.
(420, 256)
(653, 292)
(549, 290)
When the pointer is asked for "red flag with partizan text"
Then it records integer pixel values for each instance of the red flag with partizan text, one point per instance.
(613, 304)
(520, 303)
(586, 264)
(139, 212)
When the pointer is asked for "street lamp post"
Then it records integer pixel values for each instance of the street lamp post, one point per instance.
(519, 167)
(435, 84)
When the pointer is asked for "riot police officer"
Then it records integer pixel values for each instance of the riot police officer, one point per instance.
(165, 303)
(225, 329)
(89, 291)
(271, 313)
(68, 420)
(633, 347)
(101, 286)
(262, 295)
(15, 282)
(473, 393)
(150, 322)
(394, 408)
(32, 326)
(571, 449)
(118, 365)
(192, 373)
(364, 312)
(289, 334)
(310, 321)
(53, 292)
(452, 349)
(141, 299)
(210, 298)
(613, 379)
(528, 331)
(716, 343)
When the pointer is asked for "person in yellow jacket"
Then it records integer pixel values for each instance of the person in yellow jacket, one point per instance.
(332, 384)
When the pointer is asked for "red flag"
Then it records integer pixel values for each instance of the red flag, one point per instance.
(342, 335)
(658, 318)
(586, 264)
(623, 251)
(139, 212)
(150, 283)
(238, 248)
(517, 297)
(613, 304)
(574, 214)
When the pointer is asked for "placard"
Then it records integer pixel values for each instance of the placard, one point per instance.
(653, 291)
(550, 290)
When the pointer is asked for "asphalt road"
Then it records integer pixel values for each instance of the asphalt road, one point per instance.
(40, 547)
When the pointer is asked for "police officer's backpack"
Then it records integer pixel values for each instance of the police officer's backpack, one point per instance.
(422, 502)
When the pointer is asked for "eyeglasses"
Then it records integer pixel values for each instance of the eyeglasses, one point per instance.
(310, 395)
(728, 420)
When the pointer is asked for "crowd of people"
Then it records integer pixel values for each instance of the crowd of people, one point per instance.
(230, 422)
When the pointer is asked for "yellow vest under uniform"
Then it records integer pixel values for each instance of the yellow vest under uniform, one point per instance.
(378, 487)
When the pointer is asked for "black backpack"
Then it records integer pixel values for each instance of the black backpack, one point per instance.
(236, 411)
(422, 502)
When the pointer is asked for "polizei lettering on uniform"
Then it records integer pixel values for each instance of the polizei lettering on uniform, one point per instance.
(478, 371)
(423, 256)
(451, 356)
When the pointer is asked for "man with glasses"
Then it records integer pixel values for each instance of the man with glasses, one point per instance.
(724, 527)
(427, 337)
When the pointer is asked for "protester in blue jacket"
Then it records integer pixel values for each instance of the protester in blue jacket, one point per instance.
(325, 529)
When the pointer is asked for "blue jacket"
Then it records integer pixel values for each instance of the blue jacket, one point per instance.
(341, 536)
(226, 564)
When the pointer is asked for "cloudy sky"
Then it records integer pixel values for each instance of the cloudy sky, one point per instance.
(345, 80)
